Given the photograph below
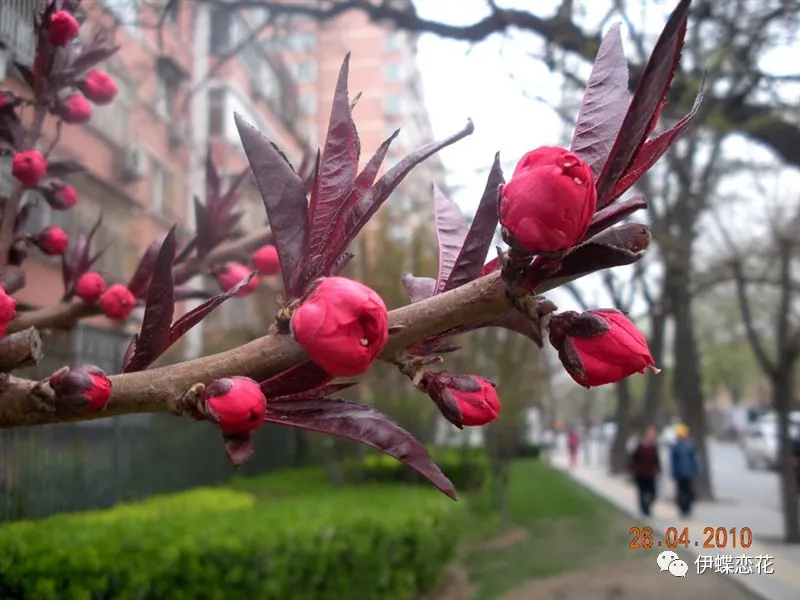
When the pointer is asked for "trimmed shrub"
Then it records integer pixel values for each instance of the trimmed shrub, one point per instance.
(371, 543)
(467, 468)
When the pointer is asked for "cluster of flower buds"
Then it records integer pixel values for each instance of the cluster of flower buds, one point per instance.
(343, 325)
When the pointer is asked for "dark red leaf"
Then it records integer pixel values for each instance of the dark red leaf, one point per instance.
(322, 263)
(418, 288)
(341, 263)
(481, 232)
(27, 74)
(654, 149)
(649, 94)
(93, 55)
(129, 353)
(362, 424)
(239, 448)
(63, 168)
(11, 130)
(159, 310)
(354, 220)
(184, 293)
(451, 231)
(338, 166)
(317, 393)
(204, 227)
(234, 192)
(604, 103)
(70, 262)
(144, 271)
(300, 378)
(284, 199)
(193, 317)
(614, 213)
(213, 185)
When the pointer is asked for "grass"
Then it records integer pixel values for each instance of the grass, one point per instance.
(555, 526)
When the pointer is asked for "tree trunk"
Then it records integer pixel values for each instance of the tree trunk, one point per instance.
(783, 392)
(687, 379)
(618, 453)
(654, 390)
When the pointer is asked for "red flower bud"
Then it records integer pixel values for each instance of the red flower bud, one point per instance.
(52, 241)
(82, 389)
(98, 86)
(63, 28)
(90, 287)
(60, 195)
(548, 203)
(29, 167)
(8, 310)
(343, 325)
(75, 109)
(265, 261)
(230, 274)
(237, 404)
(599, 346)
(117, 302)
(464, 400)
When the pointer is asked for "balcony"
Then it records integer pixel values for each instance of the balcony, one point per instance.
(16, 28)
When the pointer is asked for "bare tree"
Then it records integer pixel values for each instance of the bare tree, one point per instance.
(781, 259)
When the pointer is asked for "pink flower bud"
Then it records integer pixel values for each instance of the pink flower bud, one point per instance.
(75, 109)
(60, 195)
(98, 86)
(8, 310)
(63, 28)
(82, 389)
(90, 287)
(230, 274)
(548, 203)
(599, 346)
(464, 400)
(343, 325)
(117, 302)
(52, 241)
(29, 167)
(265, 261)
(237, 404)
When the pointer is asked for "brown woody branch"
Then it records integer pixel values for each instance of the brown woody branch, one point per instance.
(20, 350)
(26, 403)
(66, 314)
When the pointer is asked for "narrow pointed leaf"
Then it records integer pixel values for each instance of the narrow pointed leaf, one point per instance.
(159, 310)
(341, 263)
(362, 424)
(451, 231)
(129, 353)
(614, 213)
(650, 92)
(355, 219)
(284, 199)
(654, 149)
(300, 378)
(481, 232)
(63, 168)
(144, 271)
(234, 193)
(193, 317)
(604, 103)
(213, 185)
(418, 288)
(338, 167)
(204, 228)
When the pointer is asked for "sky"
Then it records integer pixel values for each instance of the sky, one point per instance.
(508, 94)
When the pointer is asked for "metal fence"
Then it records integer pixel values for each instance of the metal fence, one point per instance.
(96, 464)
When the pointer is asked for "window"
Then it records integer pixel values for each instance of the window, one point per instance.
(221, 20)
(113, 120)
(165, 96)
(308, 103)
(126, 12)
(393, 71)
(393, 41)
(301, 41)
(16, 30)
(394, 105)
(216, 111)
(304, 71)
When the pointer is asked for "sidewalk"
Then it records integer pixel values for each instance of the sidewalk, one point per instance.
(782, 584)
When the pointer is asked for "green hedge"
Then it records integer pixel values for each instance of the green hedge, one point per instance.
(371, 542)
(467, 468)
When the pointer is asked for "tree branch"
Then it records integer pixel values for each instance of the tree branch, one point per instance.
(66, 314)
(20, 350)
(26, 403)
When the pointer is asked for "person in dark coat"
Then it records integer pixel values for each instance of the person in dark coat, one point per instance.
(645, 466)
(684, 468)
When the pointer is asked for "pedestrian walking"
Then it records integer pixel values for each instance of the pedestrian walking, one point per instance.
(684, 468)
(573, 444)
(645, 466)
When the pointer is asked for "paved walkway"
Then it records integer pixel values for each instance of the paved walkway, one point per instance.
(782, 584)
